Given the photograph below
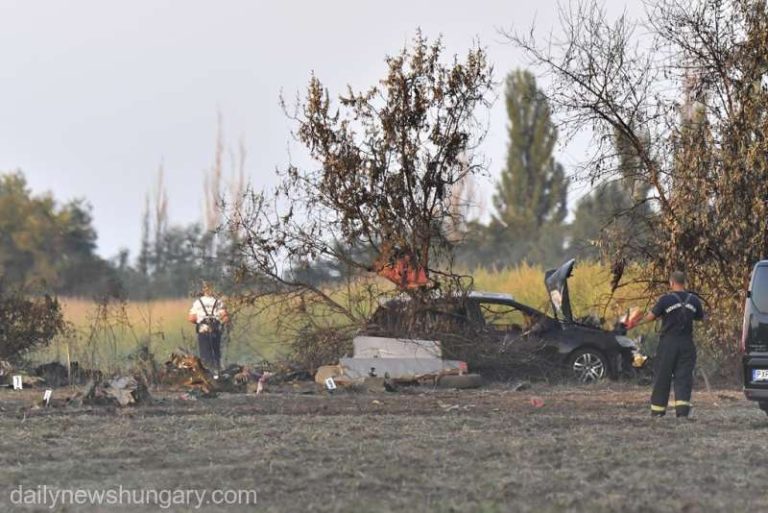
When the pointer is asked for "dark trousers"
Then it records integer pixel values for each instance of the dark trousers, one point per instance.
(209, 346)
(676, 359)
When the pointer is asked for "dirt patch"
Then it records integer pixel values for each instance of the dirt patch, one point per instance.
(590, 449)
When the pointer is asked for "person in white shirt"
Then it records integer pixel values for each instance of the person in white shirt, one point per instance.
(209, 315)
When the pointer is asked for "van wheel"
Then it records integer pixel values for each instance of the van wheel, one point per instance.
(763, 406)
(462, 381)
(588, 365)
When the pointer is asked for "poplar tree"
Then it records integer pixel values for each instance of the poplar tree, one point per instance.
(532, 192)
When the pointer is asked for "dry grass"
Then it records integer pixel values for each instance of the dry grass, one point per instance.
(107, 341)
(588, 449)
(162, 325)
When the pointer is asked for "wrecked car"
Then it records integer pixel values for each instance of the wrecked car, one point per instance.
(500, 337)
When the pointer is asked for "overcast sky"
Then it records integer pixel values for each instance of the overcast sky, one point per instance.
(95, 94)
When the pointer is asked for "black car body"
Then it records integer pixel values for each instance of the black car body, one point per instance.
(754, 339)
(499, 331)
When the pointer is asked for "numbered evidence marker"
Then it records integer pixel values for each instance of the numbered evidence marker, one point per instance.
(17, 385)
(47, 396)
(330, 384)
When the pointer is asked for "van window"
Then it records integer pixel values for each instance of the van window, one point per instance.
(760, 289)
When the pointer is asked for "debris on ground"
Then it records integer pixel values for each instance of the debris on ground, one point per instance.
(261, 383)
(187, 371)
(8, 371)
(242, 378)
(519, 386)
(28, 381)
(389, 384)
(349, 373)
(126, 390)
(53, 374)
(123, 390)
(56, 374)
(118, 391)
(460, 381)
(5, 369)
(397, 362)
(336, 372)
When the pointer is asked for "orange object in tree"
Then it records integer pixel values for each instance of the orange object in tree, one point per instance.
(402, 272)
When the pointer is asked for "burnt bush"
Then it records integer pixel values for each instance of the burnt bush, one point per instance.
(27, 323)
(314, 347)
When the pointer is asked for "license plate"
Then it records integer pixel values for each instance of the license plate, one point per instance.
(759, 374)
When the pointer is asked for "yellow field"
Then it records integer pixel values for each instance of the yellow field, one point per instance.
(105, 336)
(590, 289)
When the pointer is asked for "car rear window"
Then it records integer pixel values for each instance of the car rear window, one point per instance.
(760, 289)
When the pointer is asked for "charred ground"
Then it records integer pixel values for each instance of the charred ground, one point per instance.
(592, 449)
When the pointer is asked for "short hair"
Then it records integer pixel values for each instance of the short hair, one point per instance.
(678, 277)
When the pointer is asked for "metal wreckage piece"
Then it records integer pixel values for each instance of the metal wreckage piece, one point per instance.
(118, 391)
(187, 371)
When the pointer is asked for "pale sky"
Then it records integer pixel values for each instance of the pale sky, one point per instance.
(95, 94)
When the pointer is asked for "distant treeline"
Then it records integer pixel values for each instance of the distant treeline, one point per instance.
(49, 246)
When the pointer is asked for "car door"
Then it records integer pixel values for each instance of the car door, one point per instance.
(514, 327)
(527, 340)
(502, 321)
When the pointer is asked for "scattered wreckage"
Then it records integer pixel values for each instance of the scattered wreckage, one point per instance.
(183, 372)
(186, 371)
(398, 361)
(119, 391)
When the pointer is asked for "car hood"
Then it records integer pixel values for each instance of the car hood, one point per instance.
(556, 281)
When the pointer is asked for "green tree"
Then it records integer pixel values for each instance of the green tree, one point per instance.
(531, 195)
(47, 244)
(80, 270)
(597, 215)
(613, 217)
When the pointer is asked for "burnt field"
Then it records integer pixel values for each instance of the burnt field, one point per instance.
(585, 449)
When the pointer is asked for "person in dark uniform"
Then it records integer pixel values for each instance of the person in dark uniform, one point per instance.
(676, 356)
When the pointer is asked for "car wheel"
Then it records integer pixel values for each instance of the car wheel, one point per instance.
(588, 365)
(462, 381)
(763, 406)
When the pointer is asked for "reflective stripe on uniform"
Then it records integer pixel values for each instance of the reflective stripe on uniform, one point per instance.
(679, 304)
(682, 403)
(658, 408)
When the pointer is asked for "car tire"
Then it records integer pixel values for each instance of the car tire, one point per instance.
(588, 365)
(763, 406)
(460, 382)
